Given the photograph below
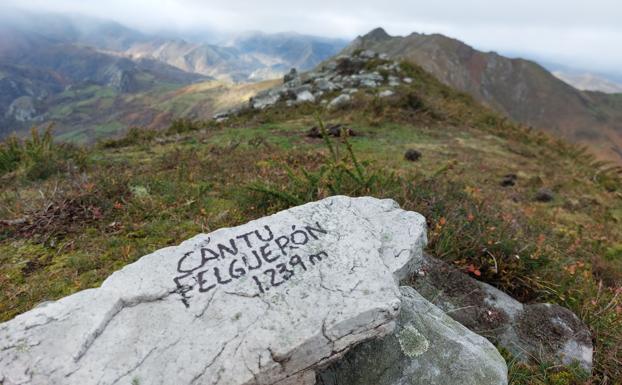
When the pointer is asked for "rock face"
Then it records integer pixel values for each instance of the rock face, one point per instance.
(548, 333)
(427, 348)
(262, 303)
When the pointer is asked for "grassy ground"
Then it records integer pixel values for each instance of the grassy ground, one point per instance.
(82, 221)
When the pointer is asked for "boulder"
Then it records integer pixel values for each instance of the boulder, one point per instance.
(266, 302)
(367, 54)
(264, 99)
(545, 332)
(394, 81)
(305, 97)
(291, 75)
(222, 116)
(370, 80)
(340, 101)
(325, 85)
(427, 348)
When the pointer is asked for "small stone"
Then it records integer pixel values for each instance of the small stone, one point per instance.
(386, 94)
(544, 195)
(412, 155)
(408, 80)
(332, 130)
(509, 180)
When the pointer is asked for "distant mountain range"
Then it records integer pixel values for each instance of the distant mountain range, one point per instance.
(521, 89)
(586, 81)
(79, 72)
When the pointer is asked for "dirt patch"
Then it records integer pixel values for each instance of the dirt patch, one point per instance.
(442, 283)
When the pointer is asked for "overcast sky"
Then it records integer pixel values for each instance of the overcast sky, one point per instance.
(578, 33)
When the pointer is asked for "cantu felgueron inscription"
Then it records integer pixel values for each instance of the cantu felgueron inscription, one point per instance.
(271, 260)
(266, 302)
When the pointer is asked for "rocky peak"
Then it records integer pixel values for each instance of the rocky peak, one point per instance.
(378, 34)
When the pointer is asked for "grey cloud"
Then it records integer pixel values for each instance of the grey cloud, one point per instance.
(582, 32)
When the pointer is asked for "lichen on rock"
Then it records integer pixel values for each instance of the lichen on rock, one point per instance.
(412, 342)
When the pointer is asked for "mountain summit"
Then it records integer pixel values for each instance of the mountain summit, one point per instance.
(378, 34)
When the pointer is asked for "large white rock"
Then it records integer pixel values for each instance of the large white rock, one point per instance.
(262, 303)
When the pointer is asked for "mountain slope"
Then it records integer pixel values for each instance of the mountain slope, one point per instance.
(521, 89)
(39, 76)
(67, 230)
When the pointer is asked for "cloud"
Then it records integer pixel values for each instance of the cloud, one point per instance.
(571, 32)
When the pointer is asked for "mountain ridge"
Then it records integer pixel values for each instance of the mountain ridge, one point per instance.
(521, 89)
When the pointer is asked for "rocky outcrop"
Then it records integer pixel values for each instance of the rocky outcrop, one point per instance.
(540, 332)
(335, 82)
(22, 109)
(427, 348)
(267, 302)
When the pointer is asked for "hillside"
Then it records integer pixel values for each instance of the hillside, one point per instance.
(89, 114)
(518, 88)
(480, 180)
(43, 80)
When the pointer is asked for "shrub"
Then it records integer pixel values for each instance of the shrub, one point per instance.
(134, 136)
(10, 154)
(39, 157)
(182, 125)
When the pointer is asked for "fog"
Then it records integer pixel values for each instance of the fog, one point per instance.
(577, 34)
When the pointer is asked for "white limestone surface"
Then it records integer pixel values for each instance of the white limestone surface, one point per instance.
(262, 303)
